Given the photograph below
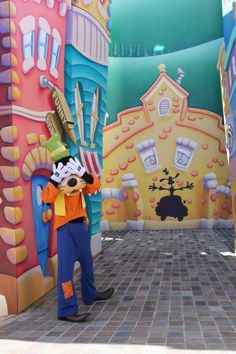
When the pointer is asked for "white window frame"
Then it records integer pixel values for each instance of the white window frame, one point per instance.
(43, 38)
(147, 149)
(230, 76)
(187, 147)
(27, 27)
(149, 154)
(166, 114)
(234, 65)
(186, 152)
(55, 52)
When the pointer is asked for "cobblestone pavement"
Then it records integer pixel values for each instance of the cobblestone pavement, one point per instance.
(175, 292)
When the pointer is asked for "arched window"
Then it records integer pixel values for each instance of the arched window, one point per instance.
(164, 107)
(148, 154)
(55, 54)
(27, 27)
(43, 36)
(184, 151)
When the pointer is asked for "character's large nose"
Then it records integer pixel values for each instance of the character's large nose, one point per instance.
(72, 182)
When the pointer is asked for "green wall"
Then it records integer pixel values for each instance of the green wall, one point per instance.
(190, 32)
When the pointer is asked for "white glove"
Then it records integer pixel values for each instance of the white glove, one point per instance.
(74, 166)
(59, 172)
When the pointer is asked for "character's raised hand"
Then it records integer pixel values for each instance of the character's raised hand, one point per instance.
(152, 187)
(189, 185)
(74, 166)
(59, 172)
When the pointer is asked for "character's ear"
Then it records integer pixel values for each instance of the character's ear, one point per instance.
(177, 175)
(166, 172)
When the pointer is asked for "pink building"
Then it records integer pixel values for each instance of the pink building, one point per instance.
(32, 44)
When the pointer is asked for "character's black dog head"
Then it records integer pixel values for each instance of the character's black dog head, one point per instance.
(72, 184)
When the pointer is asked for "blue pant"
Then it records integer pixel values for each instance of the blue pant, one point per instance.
(73, 244)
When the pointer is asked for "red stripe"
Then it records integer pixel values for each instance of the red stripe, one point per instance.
(95, 164)
(87, 161)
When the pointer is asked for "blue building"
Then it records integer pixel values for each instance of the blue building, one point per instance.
(86, 67)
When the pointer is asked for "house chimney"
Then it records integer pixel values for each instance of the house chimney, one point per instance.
(180, 75)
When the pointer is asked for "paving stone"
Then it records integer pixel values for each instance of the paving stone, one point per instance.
(170, 297)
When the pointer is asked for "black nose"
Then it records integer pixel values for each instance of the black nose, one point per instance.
(72, 182)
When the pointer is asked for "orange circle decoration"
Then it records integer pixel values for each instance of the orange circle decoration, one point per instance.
(137, 212)
(125, 195)
(213, 197)
(125, 129)
(131, 122)
(109, 179)
(110, 212)
(123, 166)
(135, 196)
(221, 163)
(115, 205)
(209, 165)
(131, 159)
(204, 146)
(114, 172)
(129, 146)
(195, 173)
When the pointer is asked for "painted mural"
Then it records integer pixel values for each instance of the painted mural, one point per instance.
(227, 69)
(38, 99)
(165, 163)
(86, 70)
(148, 33)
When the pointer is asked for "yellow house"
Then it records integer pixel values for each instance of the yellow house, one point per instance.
(229, 121)
(165, 164)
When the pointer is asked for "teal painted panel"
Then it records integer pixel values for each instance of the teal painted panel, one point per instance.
(89, 75)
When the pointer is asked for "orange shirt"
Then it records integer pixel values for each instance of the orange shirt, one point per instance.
(73, 204)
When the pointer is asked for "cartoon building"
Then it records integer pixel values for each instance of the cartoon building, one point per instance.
(33, 107)
(85, 89)
(164, 153)
(32, 45)
(227, 68)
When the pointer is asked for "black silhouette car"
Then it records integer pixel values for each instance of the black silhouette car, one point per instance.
(173, 206)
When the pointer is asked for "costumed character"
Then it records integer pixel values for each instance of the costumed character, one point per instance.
(66, 188)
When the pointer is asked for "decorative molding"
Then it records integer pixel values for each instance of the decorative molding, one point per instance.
(24, 112)
(87, 36)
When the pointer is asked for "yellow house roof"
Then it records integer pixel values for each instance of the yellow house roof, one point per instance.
(163, 77)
